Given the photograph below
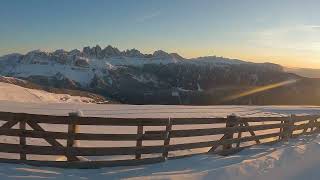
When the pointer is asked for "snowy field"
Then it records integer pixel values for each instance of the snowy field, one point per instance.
(10, 92)
(295, 159)
(155, 111)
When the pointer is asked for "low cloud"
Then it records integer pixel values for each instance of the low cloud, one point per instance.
(296, 38)
(316, 27)
(148, 17)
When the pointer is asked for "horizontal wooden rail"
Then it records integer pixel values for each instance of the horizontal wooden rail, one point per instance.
(216, 131)
(306, 125)
(50, 119)
(85, 164)
(287, 118)
(192, 121)
(79, 136)
(197, 145)
(79, 151)
(103, 151)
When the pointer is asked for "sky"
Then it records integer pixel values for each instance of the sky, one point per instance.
(286, 32)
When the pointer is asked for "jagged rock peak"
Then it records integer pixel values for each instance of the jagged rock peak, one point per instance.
(176, 56)
(161, 54)
(98, 53)
(60, 51)
(133, 53)
(110, 51)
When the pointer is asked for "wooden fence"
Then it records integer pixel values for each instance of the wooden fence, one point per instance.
(231, 130)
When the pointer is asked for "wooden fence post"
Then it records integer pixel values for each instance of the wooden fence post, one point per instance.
(72, 129)
(22, 138)
(139, 140)
(239, 135)
(167, 139)
(316, 126)
(291, 125)
(288, 129)
(231, 122)
(281, 131)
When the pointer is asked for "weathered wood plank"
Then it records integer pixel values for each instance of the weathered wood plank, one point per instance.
(305, 125)
(239, 136)
(186, 121)
(305, 118)
(311, 125)
(139, 140)
(252, 132)
(9, 124)
(263, 119)
(50, 140)
(85, 164)
(51, 119)
(215, 146)
(232, 122)
(70, 140)
(217, 131)
(306, 133)
(225, 153)
(80, 151)
(177, 147)
(6, 116)
(238, 149)
(79, 136)
(167, 139)
(22, 139)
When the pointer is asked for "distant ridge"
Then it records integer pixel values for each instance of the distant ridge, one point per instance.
(130, 76)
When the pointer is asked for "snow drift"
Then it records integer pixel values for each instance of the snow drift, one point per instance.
(10, 92)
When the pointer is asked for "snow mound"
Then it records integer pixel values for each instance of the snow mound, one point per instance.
(10, 92)
(293, 160)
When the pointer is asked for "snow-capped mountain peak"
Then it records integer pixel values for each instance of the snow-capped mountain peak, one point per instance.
(109, 68)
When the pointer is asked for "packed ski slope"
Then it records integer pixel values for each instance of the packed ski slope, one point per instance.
(13, 93)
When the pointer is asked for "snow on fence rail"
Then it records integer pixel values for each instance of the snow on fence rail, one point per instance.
(232, 139)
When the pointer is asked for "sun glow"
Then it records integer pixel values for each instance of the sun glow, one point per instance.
(260, 89)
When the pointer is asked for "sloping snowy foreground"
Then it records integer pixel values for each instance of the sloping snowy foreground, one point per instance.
(293, 160)
(10, 92)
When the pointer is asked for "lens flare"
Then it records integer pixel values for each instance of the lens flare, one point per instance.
(260, 89)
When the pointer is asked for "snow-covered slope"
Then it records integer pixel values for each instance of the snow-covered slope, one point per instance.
(127, 76)
(294, 160)
(10, 92)
(83, 66)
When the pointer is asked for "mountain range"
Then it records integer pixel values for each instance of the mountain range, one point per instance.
(160, 78)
